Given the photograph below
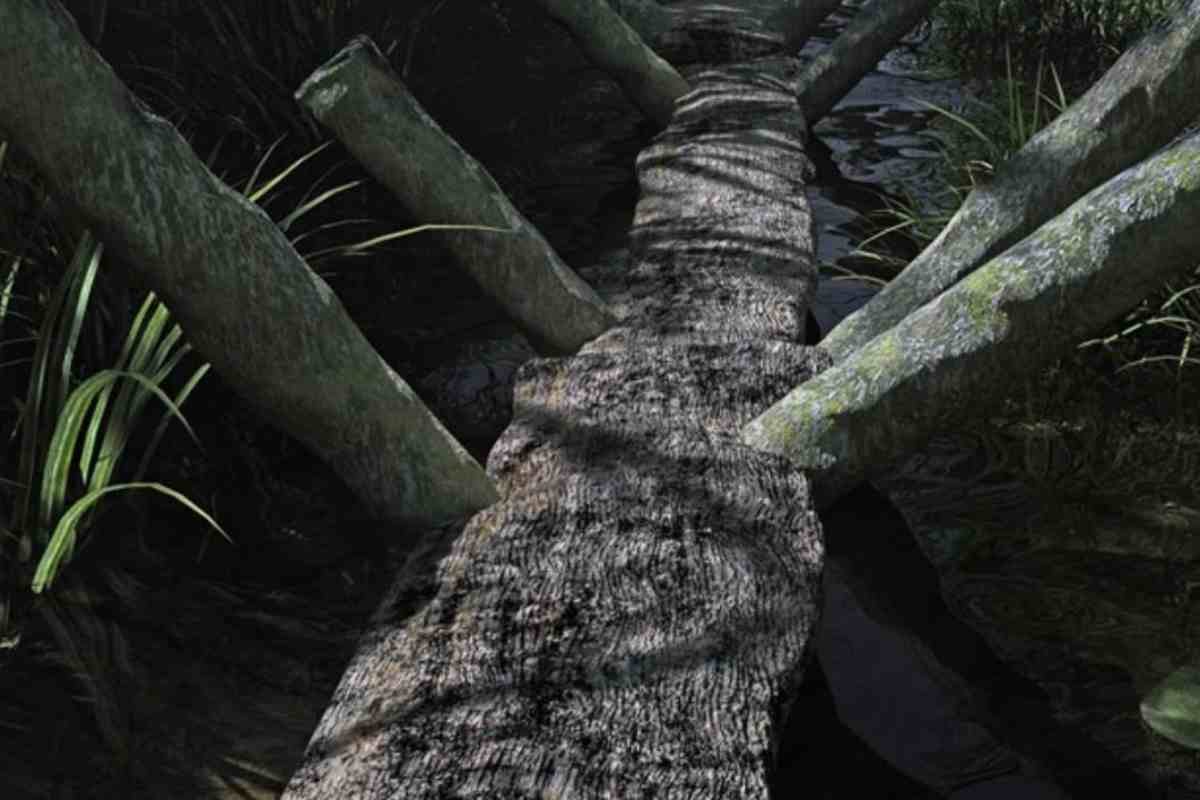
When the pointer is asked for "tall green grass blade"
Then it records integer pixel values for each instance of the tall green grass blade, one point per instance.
(7, 291)
(68, 338)
(94, 429)
(387, 237)
(180, 397)
(129, 399)
(34, 436)
(962, 121)
(300, 211)
(62, 541)
(56, 470)
(271, 184)
(262, 162)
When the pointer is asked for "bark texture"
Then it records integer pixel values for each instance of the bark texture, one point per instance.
(869, 36)
(708, 33)
(1138, 106)
(648, 18)
(629, 619)
(797, 20)
(270, 326)
(606, 39)
(944, 362)
(359, 96)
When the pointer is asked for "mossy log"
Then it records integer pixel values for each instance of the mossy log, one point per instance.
(362, 100)
(957, 355)
(1144, 100)
(246, 300)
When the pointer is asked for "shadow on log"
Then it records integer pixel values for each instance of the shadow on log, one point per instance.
(633, 615)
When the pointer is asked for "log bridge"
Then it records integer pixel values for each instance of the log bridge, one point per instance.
(632, 615)
(623, 603)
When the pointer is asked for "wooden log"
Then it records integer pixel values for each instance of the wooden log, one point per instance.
(610, 43)
(361, 99)
(958, 354)
(272, 328)
(632, 616)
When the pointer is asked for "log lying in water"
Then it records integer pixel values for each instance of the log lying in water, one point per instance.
(631, 617)
(945, 362)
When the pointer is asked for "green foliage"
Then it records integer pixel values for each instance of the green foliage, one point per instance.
(1172, 708)
(69, 429)
(1084, 36)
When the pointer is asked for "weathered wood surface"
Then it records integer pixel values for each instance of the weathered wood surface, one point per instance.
(272, 328)
(956, 355)
(1147, 97)
(608, 41)
(360, 97)
(702, 32)
(630, 618)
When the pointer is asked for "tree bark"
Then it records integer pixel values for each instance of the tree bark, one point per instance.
(271, 327)
(722, 33)
(631, 617)
(869, 36)
(647, 18)
(606, 39)
(360, 97)
(950, 359)
(1139, 104)
(798, 20)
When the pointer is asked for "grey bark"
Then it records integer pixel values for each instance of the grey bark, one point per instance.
(361, 99)
(869, 36)
(723, 32)
(631, 617)
(611, 44)
(797, 20)
(1139, 104)
(950, 359)
(647, 18)
(271, 327)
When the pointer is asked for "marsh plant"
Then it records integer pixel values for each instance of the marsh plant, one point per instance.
(1083, 36)
(75, 435)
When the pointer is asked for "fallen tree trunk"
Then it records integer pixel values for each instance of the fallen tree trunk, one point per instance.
(945, 362)
(247, 301)
(606, 39)
(721, 32)
(358, 95)
(1147, 97)
(797, 20)
(632, 616)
